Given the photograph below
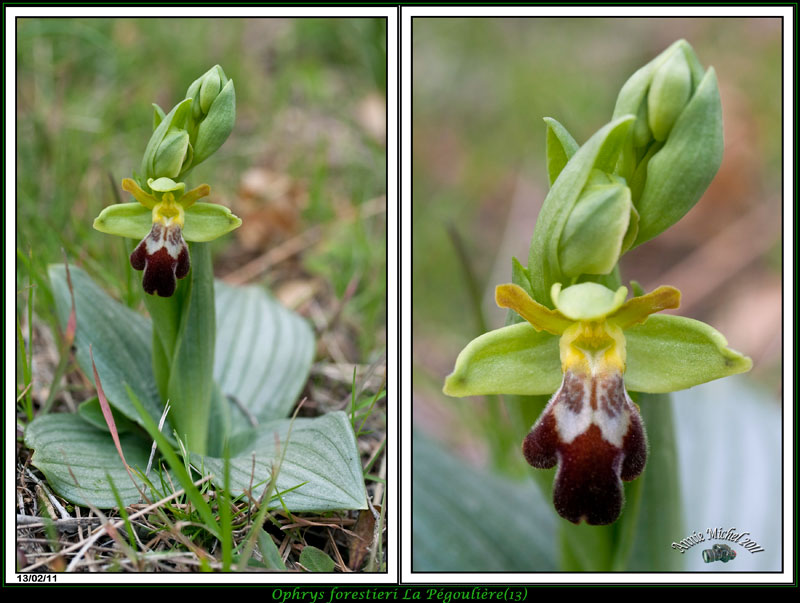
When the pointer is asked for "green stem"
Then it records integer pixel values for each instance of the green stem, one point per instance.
(184, 330)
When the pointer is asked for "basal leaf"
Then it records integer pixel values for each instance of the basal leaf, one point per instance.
(464, 519)
(64, 445)
(120, 338)
(315, 560)
(263, 353)
(321, 469)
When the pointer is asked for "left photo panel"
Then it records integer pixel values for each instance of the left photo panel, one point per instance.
(198, 237)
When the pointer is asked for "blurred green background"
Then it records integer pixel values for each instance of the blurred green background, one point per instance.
(306, 157)
(481, 87)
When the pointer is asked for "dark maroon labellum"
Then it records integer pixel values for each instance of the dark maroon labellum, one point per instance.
(164, 257)
(593, 431)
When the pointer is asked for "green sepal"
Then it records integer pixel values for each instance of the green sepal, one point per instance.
(601, 152)
(217, 125)
(512, 360)
(679, 173)
(167, 185)
(668, 353)
(132, 220)
(204, 221)
(208, 221)
(560, 147)
(587, 301)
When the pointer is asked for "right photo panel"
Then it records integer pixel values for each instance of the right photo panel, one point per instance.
(597, 269)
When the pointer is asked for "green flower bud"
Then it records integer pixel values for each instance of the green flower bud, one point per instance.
(213, 112)
(169, 151)
(172, 154)
(669, 92)
(557, 229)
(209, 90)
(593, 237)
(204, 90)
(675, 147)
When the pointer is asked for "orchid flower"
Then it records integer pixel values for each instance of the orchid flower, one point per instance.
(588, 350)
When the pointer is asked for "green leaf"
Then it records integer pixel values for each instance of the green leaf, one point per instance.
(321, 469)
(120, 338)
(679, 174)
(208, 221)
(585, 548)
(219, 422)
(464, 519)
(263, 353)
(217, 125)
(658, 512)
(132, 220)
(601, 152)
(90, 411)
(560, 147)
(315, 560)
(512, 360)
(269, 552)
(65, 445)
(668, 353)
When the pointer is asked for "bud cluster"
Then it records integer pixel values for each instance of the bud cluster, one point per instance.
(194, 129)
(635, 177)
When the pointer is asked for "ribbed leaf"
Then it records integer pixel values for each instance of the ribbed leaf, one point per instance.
(64, 445)
(321, 465)
(658, 510)
(464, 519)
(263, 353)
(120, 338)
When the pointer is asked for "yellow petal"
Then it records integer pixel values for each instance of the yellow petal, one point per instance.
(637, 309)
(516, 298)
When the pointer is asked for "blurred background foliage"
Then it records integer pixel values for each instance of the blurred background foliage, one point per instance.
(480, 90)
(305, 166)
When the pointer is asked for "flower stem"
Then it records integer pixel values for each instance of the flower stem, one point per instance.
(184, 329)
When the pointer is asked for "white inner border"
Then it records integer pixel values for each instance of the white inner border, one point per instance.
(406, 14)
(391, 14)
